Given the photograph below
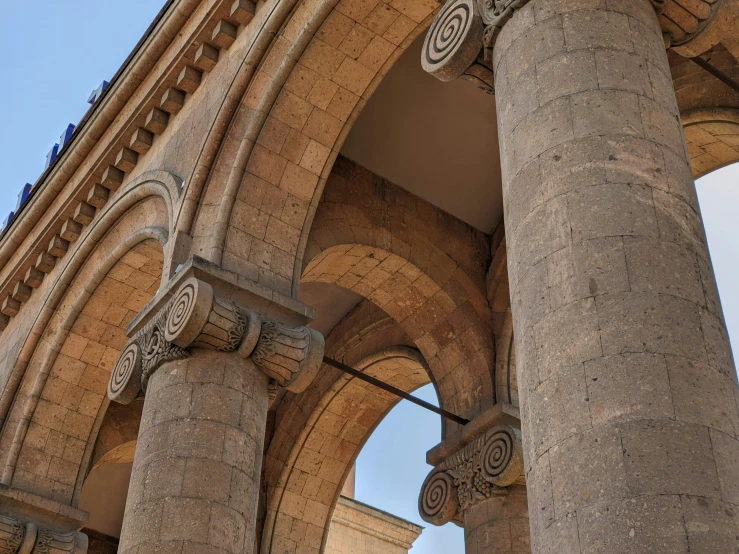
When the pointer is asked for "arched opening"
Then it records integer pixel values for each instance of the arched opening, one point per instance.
(718, 195)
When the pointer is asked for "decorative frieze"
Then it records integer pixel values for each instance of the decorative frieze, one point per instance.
(196, 318)
(481, 469)
(19, 538)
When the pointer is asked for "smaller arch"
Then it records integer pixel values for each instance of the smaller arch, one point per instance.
(443, 322)
(51, 431)
(713, 138)
(307, 485)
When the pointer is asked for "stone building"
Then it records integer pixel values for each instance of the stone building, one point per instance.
(494, 196)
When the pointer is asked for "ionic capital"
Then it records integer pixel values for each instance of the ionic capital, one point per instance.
(483, 468)
(461, 38)
(195, 317)
(19, 538)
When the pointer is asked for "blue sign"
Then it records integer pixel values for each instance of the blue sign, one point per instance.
(8, 219)
(23, 195)
(53, 153)
(51, 156)
(66, 135)
(97, 93)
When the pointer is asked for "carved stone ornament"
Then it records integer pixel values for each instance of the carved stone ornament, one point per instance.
(453, 42)
(480, 470)
(196, 318)
(683, 20)
(463, 29)
(17, 538)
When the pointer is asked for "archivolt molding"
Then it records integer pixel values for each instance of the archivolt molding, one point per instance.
(290, 454)
(74, 245)
(85, 269)
(712, 135)
(101, 235)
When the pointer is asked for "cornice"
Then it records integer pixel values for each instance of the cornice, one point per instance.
(167, 66)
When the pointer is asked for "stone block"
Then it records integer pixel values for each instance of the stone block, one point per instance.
(189, 79)
(628, 387)
(664, 267)
(141, 141)
(113, 178)
(45, 262)
(242, 11)
(22, 292)
(126, 159)
(57, 246)
(156, 122)
(71, 231)
(566, 74)
(206, 58)
(84, 213)
(665, 457)
(711, 525)
(587, 469)
(612, 210)
(622, 70)
(606, 112)
(172, 100)
(224, 34)
(633, 526)
(10, 306)
(98, 196)
(33, 277)
(556, 350)
(596, 29)
(703, 395)
(650, 322)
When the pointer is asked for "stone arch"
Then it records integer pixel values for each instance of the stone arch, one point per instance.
(313, 81)
(713, 138)
(319, 433)
(131, 233)
(455, 341)
(498, 292)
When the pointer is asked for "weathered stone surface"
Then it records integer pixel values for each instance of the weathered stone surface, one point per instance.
(623, 359)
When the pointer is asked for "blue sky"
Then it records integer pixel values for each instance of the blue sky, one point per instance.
(58, 52)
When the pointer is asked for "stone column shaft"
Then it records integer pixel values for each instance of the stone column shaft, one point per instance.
(195, 482)
(208, 368)
(627, 382)
(499, 524)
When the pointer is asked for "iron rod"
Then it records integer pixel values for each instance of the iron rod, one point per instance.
(394, 390)
(716, 72)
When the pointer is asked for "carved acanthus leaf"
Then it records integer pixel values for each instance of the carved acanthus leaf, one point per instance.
(17, 538)
(195, 318)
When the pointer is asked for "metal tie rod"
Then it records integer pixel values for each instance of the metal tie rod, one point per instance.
(716, 72)
(394, 390)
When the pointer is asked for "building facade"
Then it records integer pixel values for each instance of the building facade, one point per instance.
(494, 196)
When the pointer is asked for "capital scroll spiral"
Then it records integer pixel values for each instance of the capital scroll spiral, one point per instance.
(481, 469)
(453, 42)
(194, 317)
(437, 503)
(125, 380)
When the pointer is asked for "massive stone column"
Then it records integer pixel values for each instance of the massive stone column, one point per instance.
(478, 483)
(627, 383)
(208, 368)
